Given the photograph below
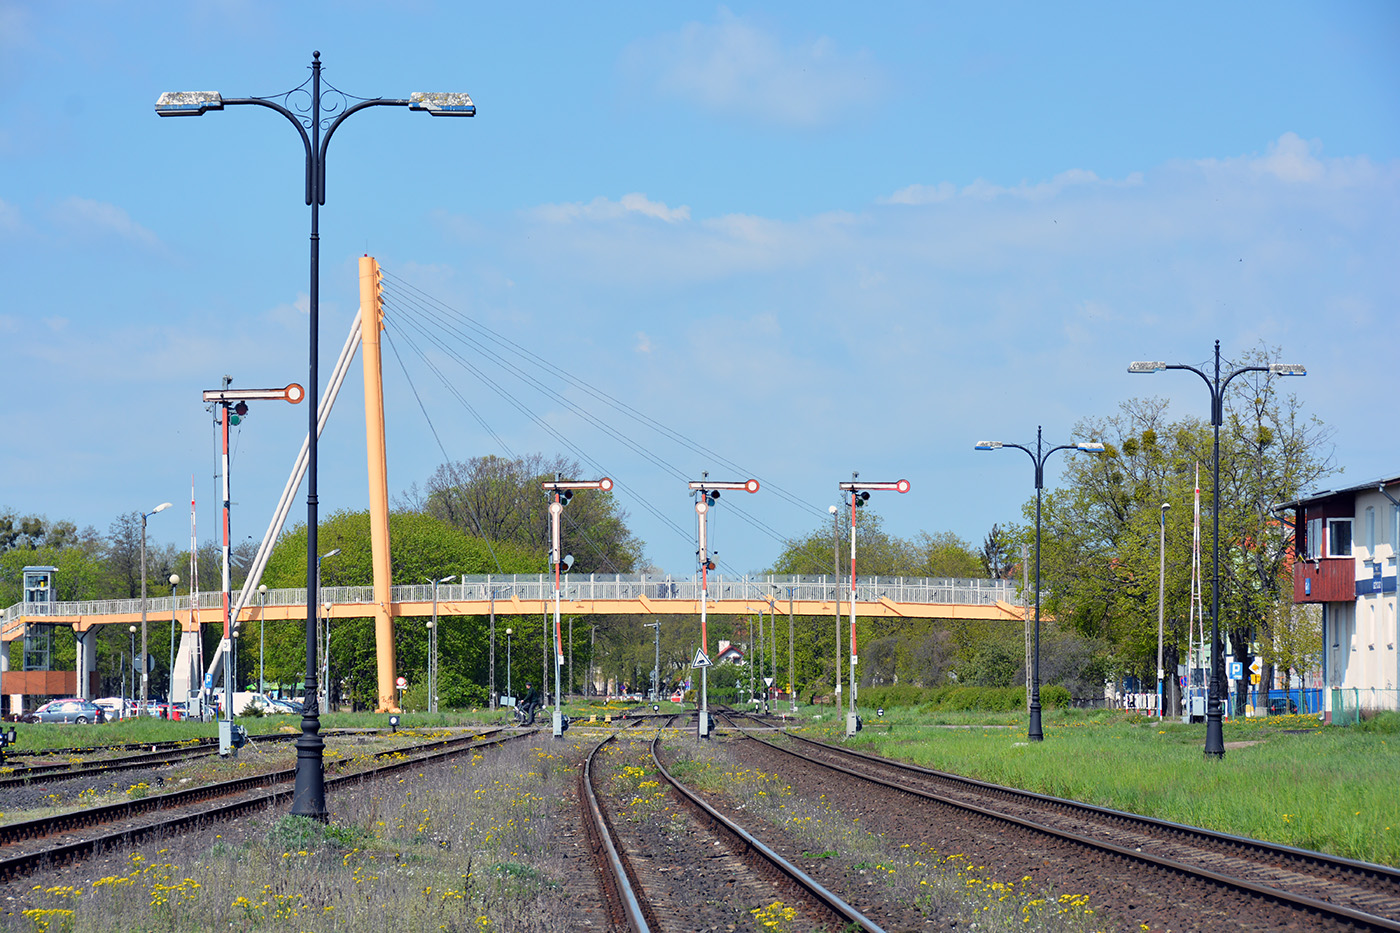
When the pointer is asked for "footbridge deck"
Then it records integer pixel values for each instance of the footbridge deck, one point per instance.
(597, 594)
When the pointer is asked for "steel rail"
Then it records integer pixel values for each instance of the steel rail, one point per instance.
(805, 881)
(1334, 911)
(62, 854)
(1366, 871)
(67, 771)
(617, 879)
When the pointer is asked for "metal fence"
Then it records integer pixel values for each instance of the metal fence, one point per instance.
(1349, 703)
(577, 587)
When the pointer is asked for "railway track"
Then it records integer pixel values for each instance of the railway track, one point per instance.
(645, 896)
(171, 753)
(1340, 893)
(65, 838)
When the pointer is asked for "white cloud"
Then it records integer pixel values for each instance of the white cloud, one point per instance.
(981, 190)
(734, 67)
(1293, 160)
(601, 208)
(643, 342)
(82, 215)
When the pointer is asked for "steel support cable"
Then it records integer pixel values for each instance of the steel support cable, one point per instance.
(547, 428)
(642, 451)
(447, 384)
(441, 326)
(432, 427)
(423, 300)
(534, 383)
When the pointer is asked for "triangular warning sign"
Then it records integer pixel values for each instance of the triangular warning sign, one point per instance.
(701, 659)
(768, 681)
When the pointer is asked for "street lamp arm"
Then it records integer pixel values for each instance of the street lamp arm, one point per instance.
(295, 121)
(330, 131)
(1204, 378)
(1220, 393)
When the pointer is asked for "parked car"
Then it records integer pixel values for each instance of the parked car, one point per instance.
(1280, 706)
(115, 707)
(67, 710)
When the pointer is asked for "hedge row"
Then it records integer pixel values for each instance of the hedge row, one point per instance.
(994, 699)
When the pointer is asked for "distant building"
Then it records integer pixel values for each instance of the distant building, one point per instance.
(729, 653)
(1345, 542)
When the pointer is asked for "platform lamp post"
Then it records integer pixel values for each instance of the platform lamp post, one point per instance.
(561, 491)
(1215, 731)
(309, 795)
(859, 493)
(707, 493)
(145, 674)
(433, 646)
(1038, 457)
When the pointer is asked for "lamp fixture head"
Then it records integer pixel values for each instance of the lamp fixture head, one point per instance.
(188, 103)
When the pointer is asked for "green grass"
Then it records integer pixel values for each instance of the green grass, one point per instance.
(1298, 783)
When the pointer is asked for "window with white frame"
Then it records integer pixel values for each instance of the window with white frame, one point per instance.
(1339, 537)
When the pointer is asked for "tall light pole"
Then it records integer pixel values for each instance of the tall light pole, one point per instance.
(1038, 457)
(706, 495)
(859, 494)
(145, 674)
(562, 491)
(1161, 605)
(309, 795)
(170, 678)
(262, 639)
(433, 646)
(1215, 731)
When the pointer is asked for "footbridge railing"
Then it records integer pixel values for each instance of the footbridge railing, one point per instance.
(658, 589)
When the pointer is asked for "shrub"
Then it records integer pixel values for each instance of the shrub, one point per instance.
(1054, 696)
(950, 698)
(1384, 722)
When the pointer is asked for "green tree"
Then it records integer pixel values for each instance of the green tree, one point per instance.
(497, 499)
(1100, 538)
(944, 554)
(422, 548)
(877, 551)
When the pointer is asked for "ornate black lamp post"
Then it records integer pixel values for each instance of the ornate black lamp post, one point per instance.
(1215, 732)
(1038, 457)
(313, 111)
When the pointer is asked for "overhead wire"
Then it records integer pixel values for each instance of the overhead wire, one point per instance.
(441, 326)
(481, 533)
(429, 335)
(422, 299)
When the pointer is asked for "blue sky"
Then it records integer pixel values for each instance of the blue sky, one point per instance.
(808, 241)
